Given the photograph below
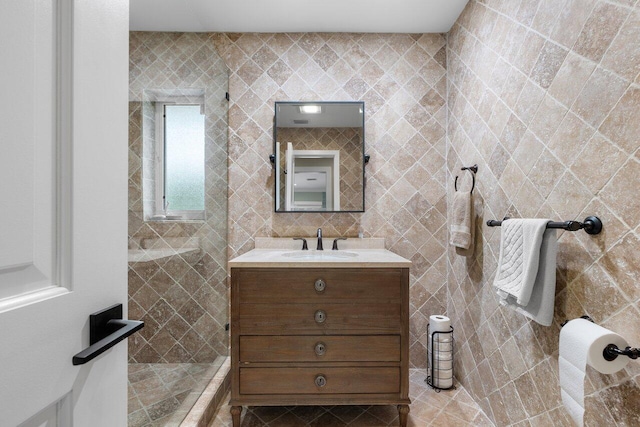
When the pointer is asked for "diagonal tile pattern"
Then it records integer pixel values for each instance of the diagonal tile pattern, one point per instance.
(449, 408)
(161, 394)
(401, 79)
(177, 270)
(543, 96)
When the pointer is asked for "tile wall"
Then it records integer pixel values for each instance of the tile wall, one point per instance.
(544, 96)
(178, 270)
(401, 78)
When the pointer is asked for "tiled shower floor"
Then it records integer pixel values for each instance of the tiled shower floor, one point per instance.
(161, 394)
(452, 408)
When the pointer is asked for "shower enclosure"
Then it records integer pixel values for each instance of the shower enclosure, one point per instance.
(177, 222)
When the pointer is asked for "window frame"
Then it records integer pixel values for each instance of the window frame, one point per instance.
(160, 167)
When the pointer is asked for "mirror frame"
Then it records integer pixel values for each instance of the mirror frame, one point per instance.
(272, 157)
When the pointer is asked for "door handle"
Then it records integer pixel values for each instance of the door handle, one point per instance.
(106, 329)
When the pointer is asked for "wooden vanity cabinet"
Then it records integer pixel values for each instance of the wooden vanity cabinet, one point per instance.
(319, 336)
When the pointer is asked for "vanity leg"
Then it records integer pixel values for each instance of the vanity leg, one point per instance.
(403, 412)
(235, 415)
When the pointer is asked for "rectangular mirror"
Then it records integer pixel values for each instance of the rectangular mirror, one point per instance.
(319, 156)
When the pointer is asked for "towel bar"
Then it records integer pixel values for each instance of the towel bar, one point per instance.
(591, 224)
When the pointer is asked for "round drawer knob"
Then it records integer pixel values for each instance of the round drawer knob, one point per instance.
(320, 348)
(321, 381)
(320, 285)
(320, 316)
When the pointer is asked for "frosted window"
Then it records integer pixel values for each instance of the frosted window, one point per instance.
(184, 158)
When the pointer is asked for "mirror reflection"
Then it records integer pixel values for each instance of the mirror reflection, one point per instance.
(319, 156)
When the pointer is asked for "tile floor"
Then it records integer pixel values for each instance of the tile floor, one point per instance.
(161, 394)
(453, 408)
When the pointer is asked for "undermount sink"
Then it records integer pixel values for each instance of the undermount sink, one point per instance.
(287, 253)
(320, 255)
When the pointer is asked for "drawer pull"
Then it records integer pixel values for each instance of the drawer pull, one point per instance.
(320, 285)
(320, 348)
(320, 316)
(321, 381)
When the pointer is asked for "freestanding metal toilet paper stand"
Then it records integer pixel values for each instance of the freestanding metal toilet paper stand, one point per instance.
(440, 360)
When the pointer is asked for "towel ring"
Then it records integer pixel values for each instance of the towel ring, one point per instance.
(473, 170)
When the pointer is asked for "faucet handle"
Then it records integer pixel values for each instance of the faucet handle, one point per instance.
(335, 243)
(304, 243)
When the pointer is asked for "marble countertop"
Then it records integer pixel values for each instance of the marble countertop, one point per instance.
(355, 258)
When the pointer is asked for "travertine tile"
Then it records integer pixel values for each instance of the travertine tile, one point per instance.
(599, 30)
(493, 84)
(551, 58)
(623, 57)
(396, 75)
(160, 290)
(428, 408)
(621, 125)
(570, 21)
(163, 393)
(571, 77)
(599, 95)
(575, 157)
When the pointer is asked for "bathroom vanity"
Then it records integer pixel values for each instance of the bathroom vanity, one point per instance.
(319, 328)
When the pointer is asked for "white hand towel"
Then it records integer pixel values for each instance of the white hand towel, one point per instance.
(460, 235)
(526, 277)
(472, 225)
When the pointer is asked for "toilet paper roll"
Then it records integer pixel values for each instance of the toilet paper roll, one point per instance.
(441, 356)
(442, 382)
(582, 343)
(440, 347)
(443, 374)
(441, 364)
(439, 323)
(441, 337)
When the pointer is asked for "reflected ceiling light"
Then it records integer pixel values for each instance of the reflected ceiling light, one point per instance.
(310, 109)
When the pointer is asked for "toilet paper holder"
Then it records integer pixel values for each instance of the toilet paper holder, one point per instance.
(611, 351)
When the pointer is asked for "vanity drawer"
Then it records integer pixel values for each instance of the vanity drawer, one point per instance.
(369, 380)
(300, 285)
(292, 319)
(371, 348)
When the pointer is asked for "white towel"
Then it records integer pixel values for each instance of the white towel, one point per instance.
(460, 235)
(472, 224)
(526, 277)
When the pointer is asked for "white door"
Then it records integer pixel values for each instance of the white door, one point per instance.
(277, 160)
(288, 182)
(63, 207)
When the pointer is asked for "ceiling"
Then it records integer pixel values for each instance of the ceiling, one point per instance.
(280, 16)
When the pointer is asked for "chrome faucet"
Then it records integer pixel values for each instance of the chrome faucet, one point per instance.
(319, 248)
